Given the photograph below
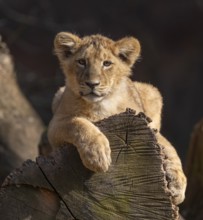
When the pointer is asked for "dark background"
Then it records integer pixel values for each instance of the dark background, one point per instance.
(170, 31)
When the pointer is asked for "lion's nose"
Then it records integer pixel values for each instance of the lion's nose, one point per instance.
(92, 85)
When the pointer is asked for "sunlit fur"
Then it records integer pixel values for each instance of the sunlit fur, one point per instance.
(97, 71)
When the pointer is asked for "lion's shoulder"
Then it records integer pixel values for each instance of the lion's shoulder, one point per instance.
(57, 98)
(152, 102)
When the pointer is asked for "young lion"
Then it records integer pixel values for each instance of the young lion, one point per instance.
(97, 71)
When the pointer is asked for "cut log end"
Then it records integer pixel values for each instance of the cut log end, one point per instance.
(135, 186)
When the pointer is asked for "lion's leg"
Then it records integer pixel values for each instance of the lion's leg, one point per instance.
(91, 143)
(173, 167)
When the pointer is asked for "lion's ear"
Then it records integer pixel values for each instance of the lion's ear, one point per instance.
(65, 44)
(128, 49)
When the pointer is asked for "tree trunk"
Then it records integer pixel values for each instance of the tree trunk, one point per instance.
(193, 204)
(20, 127)
(60, 187)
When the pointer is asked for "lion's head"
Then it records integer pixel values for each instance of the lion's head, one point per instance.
(95, 65)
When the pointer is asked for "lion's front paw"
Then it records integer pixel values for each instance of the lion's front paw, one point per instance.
(96, 154)
(176, 183)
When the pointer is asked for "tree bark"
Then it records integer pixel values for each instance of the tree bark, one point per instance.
(20, 127)
(135, 187)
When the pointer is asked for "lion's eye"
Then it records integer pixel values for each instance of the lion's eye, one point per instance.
(82, 62)
(107, 63)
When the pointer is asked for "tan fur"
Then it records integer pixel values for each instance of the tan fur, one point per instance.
(97, 71)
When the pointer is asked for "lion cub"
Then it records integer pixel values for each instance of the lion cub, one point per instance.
(97, 71)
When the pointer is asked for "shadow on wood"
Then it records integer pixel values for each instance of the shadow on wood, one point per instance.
(60, 187)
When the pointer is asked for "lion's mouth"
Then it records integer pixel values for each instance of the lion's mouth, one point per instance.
(93, 96)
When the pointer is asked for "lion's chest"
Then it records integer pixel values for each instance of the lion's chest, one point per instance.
(110, 107)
